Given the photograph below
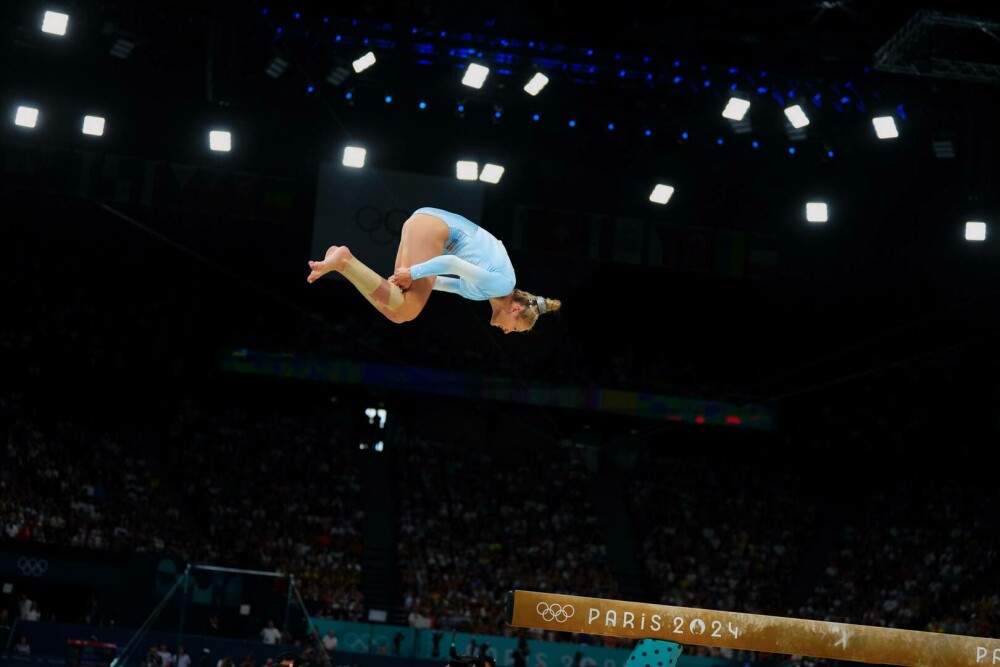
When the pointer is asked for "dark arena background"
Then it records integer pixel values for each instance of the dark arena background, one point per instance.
(771, 388)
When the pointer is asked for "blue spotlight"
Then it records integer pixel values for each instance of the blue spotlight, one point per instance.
(422, 105)
(829, 153)
(719, 141)
(572, 123)
(535, 117)
(648, 133)
(298, 15)
(755, 144)
(348, 95)
(310, 89)
(684, 135)
(461, 108)
(497, 114)
(388, 99)
(611, 126)
(791, 151)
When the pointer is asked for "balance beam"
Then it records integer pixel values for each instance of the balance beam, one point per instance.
(751, 632)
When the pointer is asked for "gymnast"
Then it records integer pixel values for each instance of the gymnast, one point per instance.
(440, 250)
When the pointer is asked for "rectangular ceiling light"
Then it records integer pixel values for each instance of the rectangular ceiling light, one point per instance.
(975, 231)
(354, 157)
(536, 84)
(93, 125)
(475, 75)
(661, 194)
(491, 173)
(26, 117)
(466, 170)
(885, 127)
(364, 62)
(816, 212)
(55, 23)
(796, 116)
(220, 140)
(736, 109)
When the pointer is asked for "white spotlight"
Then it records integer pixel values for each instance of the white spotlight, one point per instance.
(736, 109)
(55, 23)
(885, 127)
(536, 84)
(661, 194)
(975, 231)
(354, 157)
(491, 173)
(219, 140)
(816, 212)
(93, 125)
(364, 62)
(26, 117)
(466, 171)
(796, 116)
(475, 75)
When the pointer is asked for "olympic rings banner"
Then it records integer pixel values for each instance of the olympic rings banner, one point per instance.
(379, 639)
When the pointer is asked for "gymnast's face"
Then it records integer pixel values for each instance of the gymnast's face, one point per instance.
(509, 319)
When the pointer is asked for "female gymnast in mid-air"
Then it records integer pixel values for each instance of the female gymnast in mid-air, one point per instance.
(444, 251)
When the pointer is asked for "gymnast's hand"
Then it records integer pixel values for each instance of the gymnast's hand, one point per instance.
(401, 278)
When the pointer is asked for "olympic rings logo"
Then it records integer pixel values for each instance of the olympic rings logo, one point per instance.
(32, 567)
(383, 229)
(555, 612)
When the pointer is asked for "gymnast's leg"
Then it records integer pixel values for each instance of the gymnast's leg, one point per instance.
(423, 237)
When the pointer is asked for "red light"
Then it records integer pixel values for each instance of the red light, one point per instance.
(731, 419)
(700, 419)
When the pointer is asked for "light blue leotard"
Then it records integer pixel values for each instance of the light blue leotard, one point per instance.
(476, 258)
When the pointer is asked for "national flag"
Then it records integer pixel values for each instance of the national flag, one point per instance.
(730, 253)
(697, 249)
(552, 231)
(762, 260)
(664, 245)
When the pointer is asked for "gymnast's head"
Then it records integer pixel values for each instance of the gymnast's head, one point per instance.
(520, 313)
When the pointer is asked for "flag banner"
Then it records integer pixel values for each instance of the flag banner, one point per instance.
(552, 231)
(697, 248)
(629, 240)
(762, 260)
(664, 246)
(730, 253)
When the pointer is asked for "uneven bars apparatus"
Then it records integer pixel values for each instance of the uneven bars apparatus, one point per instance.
(751, 632)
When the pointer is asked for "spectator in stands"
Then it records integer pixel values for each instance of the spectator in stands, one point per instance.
(22, 647)
(270, 634)
(182, 659)
(166, 657)
(330, 641)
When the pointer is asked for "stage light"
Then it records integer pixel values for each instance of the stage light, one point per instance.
(475, 75)
(354, 156)
(422, 105)
(55, 23)
(337, 75)
(364, 62)
(276, 67)
(26, 117)
(536, 84)
(885, 127)
(491, 173)
(661, 194)
(93, 125)
(796, 116)
(816, 212)
(975, 231)
(736, 109)
(122, 48)
(220, 140)
(466, 170)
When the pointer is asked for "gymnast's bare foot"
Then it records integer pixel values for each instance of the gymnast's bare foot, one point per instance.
(336, 259)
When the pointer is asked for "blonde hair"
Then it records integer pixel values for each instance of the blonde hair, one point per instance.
(534, 306)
